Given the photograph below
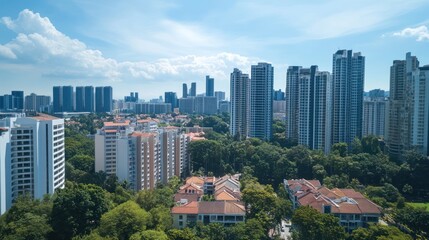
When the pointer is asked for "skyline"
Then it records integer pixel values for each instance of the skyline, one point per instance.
(164, 44)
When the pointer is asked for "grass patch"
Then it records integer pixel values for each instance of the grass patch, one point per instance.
(424, 205)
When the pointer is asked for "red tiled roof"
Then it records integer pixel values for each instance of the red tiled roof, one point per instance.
(189, 197)
(190, 208)
(44, 117)
(341, 200)
(221, 207)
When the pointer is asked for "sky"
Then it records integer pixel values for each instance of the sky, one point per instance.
(152, 47)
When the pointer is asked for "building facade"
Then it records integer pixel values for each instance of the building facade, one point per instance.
(261, 101)
(239, 87)
(33, 156)
(308, 106)
(374, 116)
(171, 97)
(209, 86)
(37, 103)
(400, 119)
(348, 75)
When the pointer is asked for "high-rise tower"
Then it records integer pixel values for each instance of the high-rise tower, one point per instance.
(261, 101)
(209, 86)
(348, 75)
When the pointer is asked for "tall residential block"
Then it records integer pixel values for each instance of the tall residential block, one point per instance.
(239, 90)
(348, 75)
(261, 101)
(31, 157)
(308, 106)
(374, 116)
(139, 160)
(209, 86)
(141, 153)
(400, 118)
(420, 108)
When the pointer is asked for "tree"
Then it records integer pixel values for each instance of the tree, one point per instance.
(83, 162)
(149, 235)
(371, 145)
(29, 226)
(310, 224)
(123, 221)
(77, 210)
(356, 146)
(300, 155)
(339, 149)
(207, 154)
(161, 218)
(263, 205)
(378, 232)
(182, 234)
(212, 231)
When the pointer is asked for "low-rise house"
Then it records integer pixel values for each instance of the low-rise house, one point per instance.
(223, 212)
(352, 208)
(226, 207)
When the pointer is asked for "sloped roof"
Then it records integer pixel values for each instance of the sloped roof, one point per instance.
(221, 207)
(190, 208)
(310, 193)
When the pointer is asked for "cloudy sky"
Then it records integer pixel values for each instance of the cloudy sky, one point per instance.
(154, 46)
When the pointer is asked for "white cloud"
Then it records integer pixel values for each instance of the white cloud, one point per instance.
(421, 33)
(58, 56)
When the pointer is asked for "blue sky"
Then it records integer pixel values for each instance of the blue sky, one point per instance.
(154, 46)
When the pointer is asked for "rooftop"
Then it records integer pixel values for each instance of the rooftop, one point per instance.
(44, 117)
(311, 193)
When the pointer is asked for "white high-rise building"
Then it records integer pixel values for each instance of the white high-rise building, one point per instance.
(261, 102)
(420, 115)
(348, 74)
(374, 116)
(31, 157)
(106, 147)
(141, 153)
(308, 98)
(139, 160)
(292, 95)
(322, 111)
(239, 103)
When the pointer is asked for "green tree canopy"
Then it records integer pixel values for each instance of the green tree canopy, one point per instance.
(312, 225)
(77, 210)
(124, 221)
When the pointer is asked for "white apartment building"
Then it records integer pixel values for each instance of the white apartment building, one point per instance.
(420, 115)
(32, 157)
(139, 160)
(141, 154)
(260, 108)
(239, 103)
(309, 106)
(106, 147)
(374, 117)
